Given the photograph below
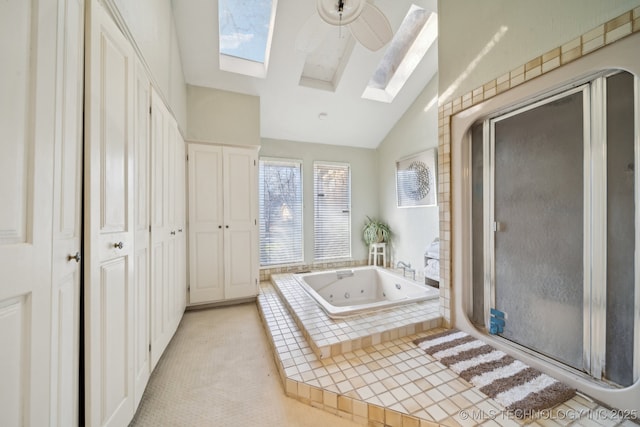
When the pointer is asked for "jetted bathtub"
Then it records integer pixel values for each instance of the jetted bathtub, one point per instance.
(345, 292)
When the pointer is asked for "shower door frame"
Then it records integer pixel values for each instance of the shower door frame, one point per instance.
(593, 89)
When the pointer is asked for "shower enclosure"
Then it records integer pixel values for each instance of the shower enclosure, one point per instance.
(554, 213)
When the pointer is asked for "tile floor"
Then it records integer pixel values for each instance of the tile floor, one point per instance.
(394, 383)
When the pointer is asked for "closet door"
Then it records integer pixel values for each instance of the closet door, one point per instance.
(206, 269)
(160, 227)
(109, 223)
(180, 227)
(240, 223)
(27, 106)
(67, 210)
(142, 240)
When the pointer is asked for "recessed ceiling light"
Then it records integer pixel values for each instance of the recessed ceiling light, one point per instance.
(323, 116)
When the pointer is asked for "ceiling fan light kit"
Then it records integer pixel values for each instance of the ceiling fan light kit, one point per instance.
(340, 12)
(367, 23)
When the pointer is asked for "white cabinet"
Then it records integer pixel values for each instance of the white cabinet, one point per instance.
(167, 290)
(223, 230)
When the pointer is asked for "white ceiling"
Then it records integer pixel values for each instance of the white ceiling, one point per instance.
(288, 110)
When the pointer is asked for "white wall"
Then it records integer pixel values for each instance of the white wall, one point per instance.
(531, 28)
(222, 117)
(364, 192)
(413, 228)
(152, 26)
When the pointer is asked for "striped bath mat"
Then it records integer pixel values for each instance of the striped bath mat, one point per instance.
(518, 387)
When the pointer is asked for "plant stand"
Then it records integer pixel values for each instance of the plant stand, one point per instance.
(377, 250)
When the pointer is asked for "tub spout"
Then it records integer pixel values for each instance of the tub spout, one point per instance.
(402, 264)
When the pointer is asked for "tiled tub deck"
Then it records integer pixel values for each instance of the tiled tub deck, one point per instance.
(392, 383)
(331, 337)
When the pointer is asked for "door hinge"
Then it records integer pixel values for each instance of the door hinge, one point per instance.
(189, 288)
(149, 347)
(254, 163)
(149, 109)
(149, 228)
(187, 157)
(255, 222)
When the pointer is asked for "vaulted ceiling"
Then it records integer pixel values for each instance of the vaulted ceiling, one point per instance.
(295, 104)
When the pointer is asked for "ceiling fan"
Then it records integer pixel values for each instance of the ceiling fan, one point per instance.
(368, 25)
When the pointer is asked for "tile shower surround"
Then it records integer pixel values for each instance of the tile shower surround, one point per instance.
(602, 35)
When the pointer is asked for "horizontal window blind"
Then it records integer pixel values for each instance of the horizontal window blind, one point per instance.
(280, 188)
(332, 210)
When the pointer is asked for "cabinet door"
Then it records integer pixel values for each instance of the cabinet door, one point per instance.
(27, 88)
(141, 216)
(67, 213)
(240, 223)
(206, 270)
(109, 223)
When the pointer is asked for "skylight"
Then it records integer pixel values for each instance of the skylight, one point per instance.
(245, 31)
(418, 31)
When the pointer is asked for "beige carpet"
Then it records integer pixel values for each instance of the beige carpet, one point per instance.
(219, 371)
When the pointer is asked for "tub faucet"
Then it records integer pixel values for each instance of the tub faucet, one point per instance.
(406, 268)
(403, 265)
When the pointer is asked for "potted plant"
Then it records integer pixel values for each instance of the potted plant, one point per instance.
(375, 231)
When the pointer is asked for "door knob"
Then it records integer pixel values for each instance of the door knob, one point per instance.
(118, 245)
(76, 257)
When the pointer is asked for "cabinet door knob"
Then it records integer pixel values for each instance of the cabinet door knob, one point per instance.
(179, 230)
(173, 233)
(75, 257)
(118, 245)
(219, 226)
(226, 226)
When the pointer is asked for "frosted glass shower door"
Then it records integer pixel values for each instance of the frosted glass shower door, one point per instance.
(538, 219)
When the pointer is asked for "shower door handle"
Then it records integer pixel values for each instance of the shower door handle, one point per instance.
(498, 226)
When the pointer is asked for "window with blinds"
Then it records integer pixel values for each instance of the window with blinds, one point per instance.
(280, 188)
(332, 210)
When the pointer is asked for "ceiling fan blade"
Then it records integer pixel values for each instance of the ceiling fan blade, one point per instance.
(372, 28)
(311, 34)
